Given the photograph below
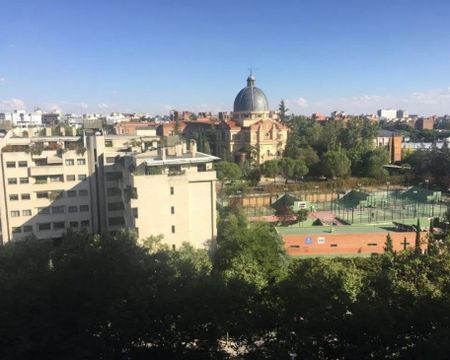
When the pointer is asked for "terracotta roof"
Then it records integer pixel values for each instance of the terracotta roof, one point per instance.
(267, 125)
(231, 124)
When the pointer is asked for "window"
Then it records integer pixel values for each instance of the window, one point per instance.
(44, 226)
(118, 220)
(70, 162)
(173, 229)
(82, 177)
(27, 228)
(43, 211)
(71, 193)
(41, 179)
(56, 178)
(84, 223)
(114, 206)
(13, 197)
(24, 180)
(12, 181)
(58, 210)
(84, 207)
(81, 162)
(372, 244)
(23, 164)
(113, 192)
(112, 176)
(73, 224)
(10, 164)
(15, 213)
(70, 177)
(42, 195)
(82, 193)
(108, 143)
(58, 225)
(201, 167)
(135, 213)
(333, 245)
(110, 159)
(26, 212)
(16, 230)
(25, 196)
(73, 209)
(172, 190)
(172, 209)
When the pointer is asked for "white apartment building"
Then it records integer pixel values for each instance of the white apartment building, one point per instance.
(22, 118)
(387, 114)
(103, 184)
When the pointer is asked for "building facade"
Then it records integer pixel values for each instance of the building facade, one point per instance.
(103, 184)
(253, 133)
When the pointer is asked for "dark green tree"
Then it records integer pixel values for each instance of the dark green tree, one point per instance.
(282, 112)
(388, 245)
(335, 164)
(271, 169)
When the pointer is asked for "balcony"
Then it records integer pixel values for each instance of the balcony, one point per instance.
(46, 170)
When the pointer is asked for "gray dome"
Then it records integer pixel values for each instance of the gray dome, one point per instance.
(251, 98)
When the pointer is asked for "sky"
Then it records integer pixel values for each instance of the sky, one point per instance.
(152, 56)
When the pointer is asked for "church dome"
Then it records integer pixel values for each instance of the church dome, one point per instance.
(251, 98)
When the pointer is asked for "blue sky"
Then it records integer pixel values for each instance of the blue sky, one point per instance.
(152, 56)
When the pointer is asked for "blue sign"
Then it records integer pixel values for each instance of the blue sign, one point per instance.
(308, 240)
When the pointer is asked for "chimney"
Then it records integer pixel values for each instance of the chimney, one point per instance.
(162, 153)
(193, 147)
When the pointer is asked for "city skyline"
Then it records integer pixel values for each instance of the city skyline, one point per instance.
(145, 57)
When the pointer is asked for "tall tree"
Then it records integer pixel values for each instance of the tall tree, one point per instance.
(282, 112)
(388, 245)
(417, 242)
(335, 164)
(271, 169)
(227, 171)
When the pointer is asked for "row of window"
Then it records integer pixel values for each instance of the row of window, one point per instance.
(12, 164)
(71, 162)
(22, 180)
(58, 225)
(45, 179)
(52, 210)
(47, 194)
(68, 162)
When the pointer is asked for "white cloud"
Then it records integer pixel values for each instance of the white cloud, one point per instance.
(103, 106)
(52, 107)
(301, 102)
(2, 80)
(84, 105)
(12, 104)
(427, 102)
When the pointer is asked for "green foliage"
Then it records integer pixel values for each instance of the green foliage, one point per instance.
(335, 164)
(302, 215)
(433, 164)
(227, 171)
(271, 169)
(100, 297)
(282, 112)
(253, 176)
(370, 163)
(250, 252)
(389, 246)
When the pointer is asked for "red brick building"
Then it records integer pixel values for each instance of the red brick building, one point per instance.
(345, 240)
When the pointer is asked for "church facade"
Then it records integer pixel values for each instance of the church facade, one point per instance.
(253, 133)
